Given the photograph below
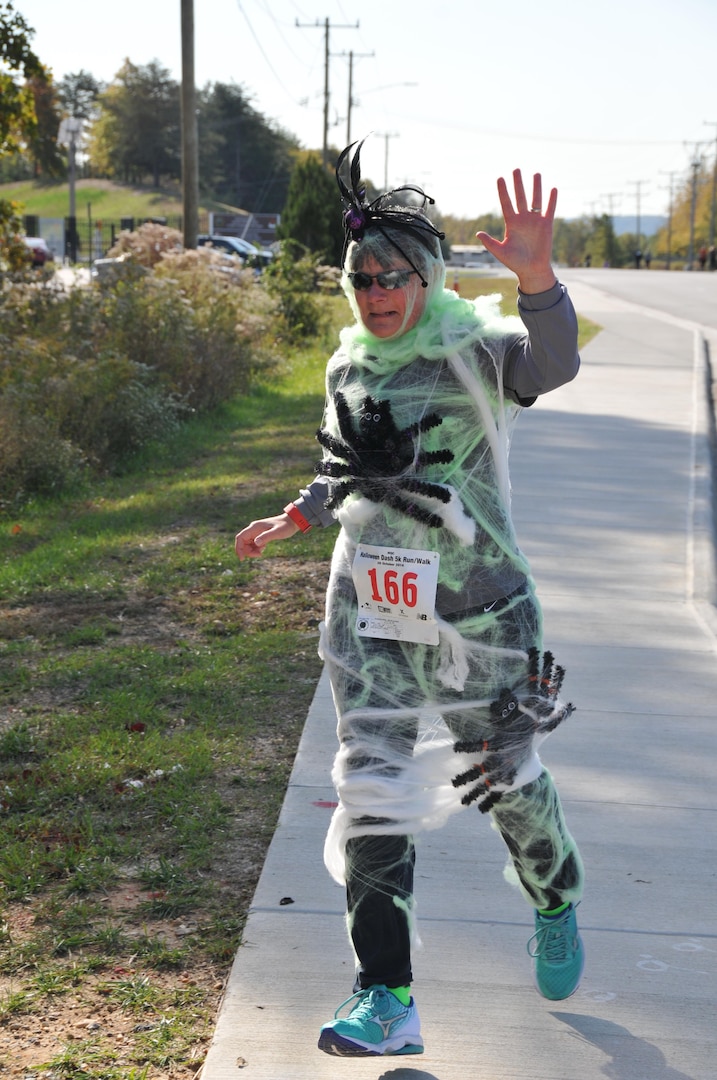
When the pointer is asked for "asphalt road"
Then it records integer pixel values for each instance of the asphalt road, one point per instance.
(691, 296)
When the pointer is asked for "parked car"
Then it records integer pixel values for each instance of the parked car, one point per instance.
(110, 271)
(242, 249)
(38, 250)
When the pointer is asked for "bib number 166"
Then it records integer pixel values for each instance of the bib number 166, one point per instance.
(393, 587)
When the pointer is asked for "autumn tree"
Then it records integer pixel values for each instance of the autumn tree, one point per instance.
(463, 230)
(697, 184)
(571, 240)
(18, 63)
(137, 132)
(42, 149)
(18, 120)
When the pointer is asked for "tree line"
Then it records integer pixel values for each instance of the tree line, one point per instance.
(132, 135)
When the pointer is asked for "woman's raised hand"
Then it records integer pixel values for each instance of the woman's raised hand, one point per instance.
(527, 246)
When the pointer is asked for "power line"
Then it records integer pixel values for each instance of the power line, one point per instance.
(260, 47)
(278, 24)
(445, 124)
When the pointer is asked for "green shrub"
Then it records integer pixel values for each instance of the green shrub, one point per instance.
(90, 376)
(33, 459)
(147, 244)
(209, 332)
(293, 279)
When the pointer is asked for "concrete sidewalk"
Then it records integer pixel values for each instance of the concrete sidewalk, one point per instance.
(612, 501)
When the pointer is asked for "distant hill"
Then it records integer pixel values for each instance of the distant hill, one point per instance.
(650, 224)
(106, 199)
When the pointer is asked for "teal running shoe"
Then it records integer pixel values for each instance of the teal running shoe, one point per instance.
(377, 1024)
(557, 948)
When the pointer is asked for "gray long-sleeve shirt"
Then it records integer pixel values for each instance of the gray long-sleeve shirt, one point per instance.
(536, 362)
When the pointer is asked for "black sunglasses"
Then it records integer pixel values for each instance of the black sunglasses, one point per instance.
(387, 279)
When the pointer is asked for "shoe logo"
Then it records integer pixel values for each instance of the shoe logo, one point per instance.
(389, 1024)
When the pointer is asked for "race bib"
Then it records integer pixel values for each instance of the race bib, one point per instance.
(396, 590)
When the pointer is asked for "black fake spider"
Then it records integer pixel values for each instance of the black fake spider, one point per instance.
(379, 459)
(517, 715)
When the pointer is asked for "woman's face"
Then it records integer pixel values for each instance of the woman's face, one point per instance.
(384, 311)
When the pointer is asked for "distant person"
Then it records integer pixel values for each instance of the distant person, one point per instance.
(713, 257)
(648, 259)
(638, 259)
(588, 259)
(98, 241)
(702, 256)
(433, 634)
(72, 245)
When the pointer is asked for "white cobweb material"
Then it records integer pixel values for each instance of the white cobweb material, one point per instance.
(402, 707)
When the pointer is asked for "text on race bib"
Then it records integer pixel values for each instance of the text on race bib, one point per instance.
(396, 591)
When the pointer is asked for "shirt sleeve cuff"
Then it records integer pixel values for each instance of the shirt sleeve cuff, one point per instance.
(543, 300)
(311, 503)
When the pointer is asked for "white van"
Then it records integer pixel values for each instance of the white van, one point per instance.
(470, 255)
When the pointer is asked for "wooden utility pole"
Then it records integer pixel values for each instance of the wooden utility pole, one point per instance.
(190, 142)
(638, 184)
(386, 135)
(695, 165)
(713, 204)
(669, 220)
(327, 27)
(351, 102)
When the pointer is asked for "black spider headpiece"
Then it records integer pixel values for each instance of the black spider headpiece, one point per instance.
(382, 213)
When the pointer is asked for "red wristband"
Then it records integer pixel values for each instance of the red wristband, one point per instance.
(297, 517)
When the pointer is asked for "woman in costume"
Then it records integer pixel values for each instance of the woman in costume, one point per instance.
(433, 633)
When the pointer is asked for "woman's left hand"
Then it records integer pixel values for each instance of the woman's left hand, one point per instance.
(527, 246)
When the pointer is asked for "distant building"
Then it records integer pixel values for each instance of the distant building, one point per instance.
(470, 255)
(258, 229)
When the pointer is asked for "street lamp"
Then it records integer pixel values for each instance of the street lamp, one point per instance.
(386, 135)
(70, 129)
(390, 134)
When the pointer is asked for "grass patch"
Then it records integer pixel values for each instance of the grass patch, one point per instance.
(107, 199)
(472, 285)
(152, 694)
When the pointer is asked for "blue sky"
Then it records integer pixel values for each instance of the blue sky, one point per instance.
(609, 101)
